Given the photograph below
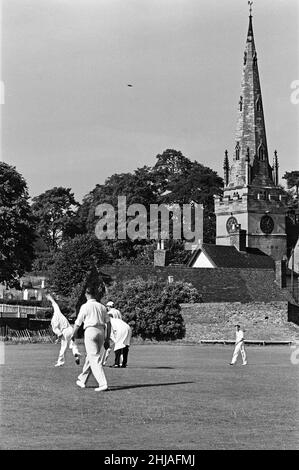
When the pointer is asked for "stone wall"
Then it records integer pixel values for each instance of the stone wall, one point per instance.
(261, 321)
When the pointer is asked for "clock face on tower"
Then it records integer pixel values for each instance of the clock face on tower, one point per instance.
(231, 224)
(267, 224)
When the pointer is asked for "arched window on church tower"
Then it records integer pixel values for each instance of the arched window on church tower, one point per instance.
(258, 104)
(261, 152)
(238, 151)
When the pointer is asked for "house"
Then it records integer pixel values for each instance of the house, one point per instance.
(222, 256)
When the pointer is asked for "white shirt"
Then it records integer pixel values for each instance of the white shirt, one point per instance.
(115, 313)
(239, 336)
(92, 313)
(58, 322)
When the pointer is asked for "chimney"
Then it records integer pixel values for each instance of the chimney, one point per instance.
(161, 257)
(238, 238)
(194, 246)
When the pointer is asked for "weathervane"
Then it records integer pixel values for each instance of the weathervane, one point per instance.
(250, 7)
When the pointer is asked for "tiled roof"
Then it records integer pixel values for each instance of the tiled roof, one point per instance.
(229, 257)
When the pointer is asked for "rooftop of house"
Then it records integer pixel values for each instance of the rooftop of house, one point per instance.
(226, 256)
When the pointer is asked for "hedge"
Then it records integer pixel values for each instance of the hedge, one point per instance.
(152, 308)
(27, 303)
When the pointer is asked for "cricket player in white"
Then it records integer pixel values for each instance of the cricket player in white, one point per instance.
(96, 320)
(113, 312)
(239, 347)
(121, 334)
(64, 331)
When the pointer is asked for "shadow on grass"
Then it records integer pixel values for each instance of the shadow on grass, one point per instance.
(143, 367)
(152, 367)
(125, 387)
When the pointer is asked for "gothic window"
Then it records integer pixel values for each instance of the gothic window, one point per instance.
(241, 103)
(238, 151)
(261, 152)
(258, 104)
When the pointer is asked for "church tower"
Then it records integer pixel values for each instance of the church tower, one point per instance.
(252, 200)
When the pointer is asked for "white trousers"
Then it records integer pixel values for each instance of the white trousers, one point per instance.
(239, 348)
(94, 340)
(66, 341)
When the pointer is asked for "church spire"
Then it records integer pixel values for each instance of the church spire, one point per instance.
(251, 130)
(252, 198)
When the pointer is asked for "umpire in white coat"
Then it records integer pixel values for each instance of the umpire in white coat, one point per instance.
(121, 334)
(95, 321)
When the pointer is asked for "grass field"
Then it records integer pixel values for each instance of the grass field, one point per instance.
(170, 397)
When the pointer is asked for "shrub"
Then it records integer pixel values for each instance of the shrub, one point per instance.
(152, 307)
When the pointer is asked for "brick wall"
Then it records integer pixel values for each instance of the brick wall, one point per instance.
(215, 285)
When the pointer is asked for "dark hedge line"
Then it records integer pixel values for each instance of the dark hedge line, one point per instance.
(28, 303)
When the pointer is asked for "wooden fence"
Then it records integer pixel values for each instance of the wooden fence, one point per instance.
(30, 336)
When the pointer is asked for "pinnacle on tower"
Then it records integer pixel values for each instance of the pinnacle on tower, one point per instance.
(275, 168)
(226, 168)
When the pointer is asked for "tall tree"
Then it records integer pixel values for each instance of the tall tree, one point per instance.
(16, 225)
(173, 179)
(292, 178)
(77, 264)
(292, 201)
(55, 212)
(138, 187)
(183, 182)
(74, 260)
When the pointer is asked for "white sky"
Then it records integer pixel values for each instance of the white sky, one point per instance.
(69, 118)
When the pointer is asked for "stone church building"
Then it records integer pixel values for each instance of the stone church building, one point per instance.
(253, 201)
(251, 214)
(251, 230)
